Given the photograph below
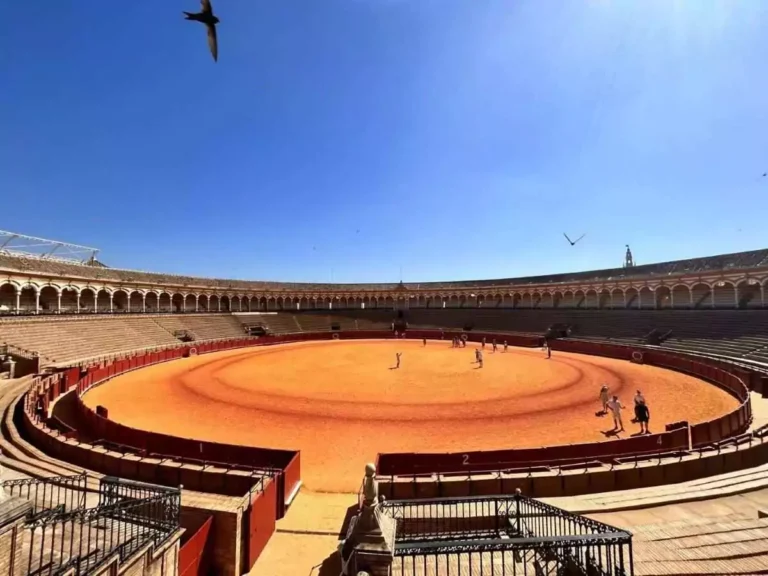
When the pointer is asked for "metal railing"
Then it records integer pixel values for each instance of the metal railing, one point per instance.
(503, 535)
(65, 537)
(65, 493)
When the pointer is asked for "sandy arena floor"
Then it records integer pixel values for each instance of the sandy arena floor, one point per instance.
(340, 402)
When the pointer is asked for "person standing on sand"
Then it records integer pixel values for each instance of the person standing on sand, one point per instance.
(615, 406)
(397, 356)
(642, 414)
(605, 396)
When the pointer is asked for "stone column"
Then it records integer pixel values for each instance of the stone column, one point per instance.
(59, 302)
(95, 301)
(78, 302)
(18, 300)
(37, 301)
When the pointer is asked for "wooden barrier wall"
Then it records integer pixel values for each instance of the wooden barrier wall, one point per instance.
(193, 560)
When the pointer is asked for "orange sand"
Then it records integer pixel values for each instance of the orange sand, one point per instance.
(340, 403)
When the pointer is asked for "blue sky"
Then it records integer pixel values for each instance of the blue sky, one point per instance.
(347, 139)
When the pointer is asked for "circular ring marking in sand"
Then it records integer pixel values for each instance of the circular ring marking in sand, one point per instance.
(341, 402)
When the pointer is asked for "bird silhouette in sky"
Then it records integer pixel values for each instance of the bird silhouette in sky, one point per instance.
(573, 242)
(207, 17)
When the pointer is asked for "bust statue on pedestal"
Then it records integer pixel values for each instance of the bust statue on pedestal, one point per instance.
(370, 544)
(370, 486)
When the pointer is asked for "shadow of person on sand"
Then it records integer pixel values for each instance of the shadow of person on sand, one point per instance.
(331, 566)
(610, 433)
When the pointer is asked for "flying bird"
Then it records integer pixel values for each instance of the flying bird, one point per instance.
(573, 242)
(207, 17)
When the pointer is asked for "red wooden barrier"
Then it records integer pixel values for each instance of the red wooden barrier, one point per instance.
(261, 522)
(192, 558)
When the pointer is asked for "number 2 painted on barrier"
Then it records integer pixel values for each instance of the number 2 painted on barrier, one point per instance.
(465, 459)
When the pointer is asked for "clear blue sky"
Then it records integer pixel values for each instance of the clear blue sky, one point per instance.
(453, 138)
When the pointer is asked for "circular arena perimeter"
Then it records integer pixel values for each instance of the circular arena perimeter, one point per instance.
(341, 402)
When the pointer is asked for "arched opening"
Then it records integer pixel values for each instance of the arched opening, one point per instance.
(136, 302)
(389, 303)
(164, 302)
(590, 299)
(213, 303)
(546, 300)
(120, 301)
(180, 303)
(226, 304)
(579, 299)
(535, 300)
(724, 295)
(749, 294)
(49, 300)
(604, 299)
(701, 296)
(7, 298)
(645, 298)
(103, 301)
(88, 301)
(526, 301)
(69, 300)
(663, 297)
(632, 298)
(568, 301)
(617, 298)
(681, 296)
(28, 299)
(151, 302)
(202, 302)
(557, 298)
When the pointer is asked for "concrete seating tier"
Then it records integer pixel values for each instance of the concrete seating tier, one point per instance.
(280, 323)
(64, 339)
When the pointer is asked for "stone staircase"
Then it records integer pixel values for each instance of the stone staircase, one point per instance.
(728, 545)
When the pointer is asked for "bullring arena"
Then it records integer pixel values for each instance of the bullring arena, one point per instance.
(341, 402)
(173, 425)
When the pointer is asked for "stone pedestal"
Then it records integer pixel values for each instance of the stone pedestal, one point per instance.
(369, 548)
(372, 539)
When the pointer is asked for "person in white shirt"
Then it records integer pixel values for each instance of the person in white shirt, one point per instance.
(615, 407)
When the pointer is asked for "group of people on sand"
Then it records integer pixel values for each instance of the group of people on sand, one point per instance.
(611, 404)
